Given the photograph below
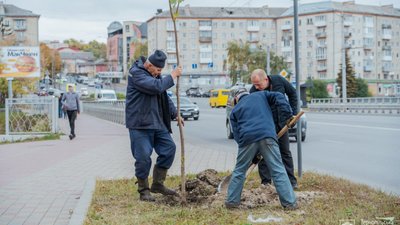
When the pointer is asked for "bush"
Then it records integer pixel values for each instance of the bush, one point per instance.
(121, 96)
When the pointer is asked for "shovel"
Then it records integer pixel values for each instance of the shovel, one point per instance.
(223, 186)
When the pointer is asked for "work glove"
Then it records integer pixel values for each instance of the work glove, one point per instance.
(288, 122)
(256, 159)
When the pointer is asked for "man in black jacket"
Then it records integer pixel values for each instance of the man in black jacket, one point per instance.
(277, 83)
(149, 111)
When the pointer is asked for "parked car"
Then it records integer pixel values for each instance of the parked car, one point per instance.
(91, 84)
(54, 92)
(84, 92)
(206, 94)
(219, 98)
(103, 95)
(188, 108)
(194, 92)
(230, 105)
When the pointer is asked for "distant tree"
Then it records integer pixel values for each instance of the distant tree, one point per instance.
(351, 85)
(140, 49)
(317, 89)
(46, 59)
(98, 49)
(277, 63)
(238, 57)
(362, 88)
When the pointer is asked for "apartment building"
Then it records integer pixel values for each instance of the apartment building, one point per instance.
(371, 37)
(115, 47)
(19, 26)
(133, 32)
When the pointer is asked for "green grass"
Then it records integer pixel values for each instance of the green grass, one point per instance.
(44, 138)
(116, 202)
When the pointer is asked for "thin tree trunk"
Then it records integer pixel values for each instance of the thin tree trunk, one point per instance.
(183, 175)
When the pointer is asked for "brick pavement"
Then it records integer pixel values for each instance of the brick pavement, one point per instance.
(41, 182)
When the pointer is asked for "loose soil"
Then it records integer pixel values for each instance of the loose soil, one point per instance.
(202, 191)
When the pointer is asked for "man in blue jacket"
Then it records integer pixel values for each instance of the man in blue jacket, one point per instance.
(254, 130)
(149, 112)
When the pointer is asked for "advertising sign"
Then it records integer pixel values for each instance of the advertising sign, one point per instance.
(17, 61)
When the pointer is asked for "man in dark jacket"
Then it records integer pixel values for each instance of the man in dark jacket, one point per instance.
(254, 130)
(277, 83)
(149, 111)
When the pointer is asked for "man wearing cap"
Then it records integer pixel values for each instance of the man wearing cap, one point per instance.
(149, 112)
(70, 103)
(254, 130)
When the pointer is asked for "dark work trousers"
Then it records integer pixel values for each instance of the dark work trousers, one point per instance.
(72, 117)
(142, 144)
(286, 159)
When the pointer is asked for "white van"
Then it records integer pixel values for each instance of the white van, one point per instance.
(103, 95)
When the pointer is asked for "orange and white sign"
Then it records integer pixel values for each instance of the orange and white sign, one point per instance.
(16, 61)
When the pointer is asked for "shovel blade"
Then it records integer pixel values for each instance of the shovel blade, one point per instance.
(223, 185)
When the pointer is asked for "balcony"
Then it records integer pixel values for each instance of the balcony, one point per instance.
(207, 49)
(368, 35)
(171, 50)
(320, 23)
(320, 35)
(386, 26)
(321, 57)
(288, 59)
(172, 61)
(286, 48)
(387, 35)
(347, 23)
(347, 34)
(387, 58)
(367, 68)
(205, 60)
(253, 39)
(205, 39)
(321, 45)
(368, 46)
(321, 68)
(205, 28)
(253, 28)
(387, 48)
(286, 27)
(386, 68)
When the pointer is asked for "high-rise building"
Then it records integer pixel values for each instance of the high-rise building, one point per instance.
(371, 38)
(18, 26)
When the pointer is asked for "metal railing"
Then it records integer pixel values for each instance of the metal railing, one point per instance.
(31, 115)
(373, 105)
(113, 111)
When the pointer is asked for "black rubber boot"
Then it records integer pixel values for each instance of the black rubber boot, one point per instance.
(144, 191)
(159, 176)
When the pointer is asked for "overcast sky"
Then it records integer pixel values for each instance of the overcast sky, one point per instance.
(88, 19)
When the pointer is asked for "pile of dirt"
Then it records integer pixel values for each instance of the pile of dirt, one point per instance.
(202, 191)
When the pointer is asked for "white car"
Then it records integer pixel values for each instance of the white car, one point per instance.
(84, 92)
(103, 95)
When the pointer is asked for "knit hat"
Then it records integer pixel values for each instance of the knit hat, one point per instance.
(240, 92)
(158, 59)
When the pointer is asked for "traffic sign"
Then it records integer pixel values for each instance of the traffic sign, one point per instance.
(283, 73)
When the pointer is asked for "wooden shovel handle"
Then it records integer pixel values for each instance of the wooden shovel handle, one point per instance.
(281, 132)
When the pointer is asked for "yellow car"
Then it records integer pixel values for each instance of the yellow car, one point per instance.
(219, 98)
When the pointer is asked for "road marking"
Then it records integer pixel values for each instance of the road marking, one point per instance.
(356, 126)
(332, 141)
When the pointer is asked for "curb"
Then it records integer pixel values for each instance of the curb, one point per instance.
(80, 211)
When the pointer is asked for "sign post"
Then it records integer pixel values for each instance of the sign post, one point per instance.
(10, 92)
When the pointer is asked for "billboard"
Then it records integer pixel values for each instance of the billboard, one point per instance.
(19, 62)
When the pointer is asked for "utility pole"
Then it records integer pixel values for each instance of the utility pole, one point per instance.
(344, 88)
(268, 61)
(297, 72)
(53, 68)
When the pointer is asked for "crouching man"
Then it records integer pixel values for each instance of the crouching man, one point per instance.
(254, 131)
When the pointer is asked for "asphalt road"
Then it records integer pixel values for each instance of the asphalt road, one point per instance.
(362, 148)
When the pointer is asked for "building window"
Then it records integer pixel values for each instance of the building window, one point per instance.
(224, 24)
(232, 35)
(205, 23)
(252, 23)
(264, 24)
(232, 25)
(193, 35)
(214, 35)
(127, 28)
(19, 24)
(309, 44)
(241, 24)
(20, 36)
(320, 18)
(309, 21)
(215, 24)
